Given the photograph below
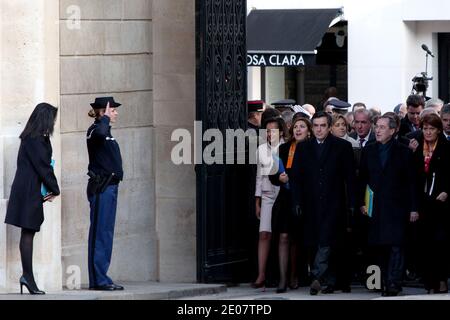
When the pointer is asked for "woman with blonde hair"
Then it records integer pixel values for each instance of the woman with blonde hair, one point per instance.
(339, 128)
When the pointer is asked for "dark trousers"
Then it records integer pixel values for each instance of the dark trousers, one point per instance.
(413, 259)
(344, 259)
(435, 264)
(391, 260)
(322, 266)
(101, 233)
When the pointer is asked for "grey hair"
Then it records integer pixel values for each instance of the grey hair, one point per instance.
(366, 112)
(427, 111)
(287, 116)
(445, 109)
(434, 103)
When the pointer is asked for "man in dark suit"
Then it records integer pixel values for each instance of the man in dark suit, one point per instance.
(445, 116)
(323, 188)
(363, 127)
(364, 134)
(411, 123)
(387, 169)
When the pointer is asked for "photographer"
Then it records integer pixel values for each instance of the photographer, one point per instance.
(105, 171)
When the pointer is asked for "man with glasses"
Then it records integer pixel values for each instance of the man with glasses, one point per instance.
(387, 171)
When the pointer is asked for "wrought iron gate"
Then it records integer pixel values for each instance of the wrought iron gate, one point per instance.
(222, 192)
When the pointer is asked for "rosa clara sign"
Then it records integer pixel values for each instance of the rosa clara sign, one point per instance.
(275, 60)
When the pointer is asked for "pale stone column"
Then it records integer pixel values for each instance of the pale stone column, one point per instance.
(29, 64)
(254, 83)
(174, 107)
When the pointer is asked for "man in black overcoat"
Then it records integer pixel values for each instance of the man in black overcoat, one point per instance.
(323, 182)
(387, 168)
(415, 105)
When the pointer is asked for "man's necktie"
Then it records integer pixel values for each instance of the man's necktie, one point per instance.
(320, 149)
(361, 142)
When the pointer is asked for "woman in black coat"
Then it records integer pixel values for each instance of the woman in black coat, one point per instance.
(34, 174)
(284, 221)
(432, 160)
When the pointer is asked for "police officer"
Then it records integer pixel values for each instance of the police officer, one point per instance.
(336, 106)
(255, 109)
(284, 105)
(105, 172)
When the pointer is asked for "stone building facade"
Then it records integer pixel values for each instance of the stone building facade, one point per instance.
(67, 52)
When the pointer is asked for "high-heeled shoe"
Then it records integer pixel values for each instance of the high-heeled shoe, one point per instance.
(24, 282)
(293, 285)
(258, 285)
(443, 287)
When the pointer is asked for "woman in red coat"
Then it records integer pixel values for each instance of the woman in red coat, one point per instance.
(34, 170)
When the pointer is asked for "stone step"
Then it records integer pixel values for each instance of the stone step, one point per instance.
(133, 291)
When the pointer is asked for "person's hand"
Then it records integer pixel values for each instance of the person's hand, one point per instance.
(108, 111)
(413, 144)
(442, 197)
(50, 197)
(284, 177)
(414, 216)
(363, 210)
(258, 208)
(297, 211)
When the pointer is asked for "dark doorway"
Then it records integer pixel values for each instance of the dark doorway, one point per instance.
(221, 92)
(444, 66)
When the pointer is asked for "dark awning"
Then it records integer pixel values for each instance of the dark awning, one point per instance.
(293, 31)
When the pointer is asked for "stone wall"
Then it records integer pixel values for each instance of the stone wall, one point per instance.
(109, 54)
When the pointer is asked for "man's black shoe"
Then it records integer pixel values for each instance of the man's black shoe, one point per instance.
(313, 292)
(108, 287)
(391, 292)
(346, 289)
(315, 288)
(328, 289)
(117, 286)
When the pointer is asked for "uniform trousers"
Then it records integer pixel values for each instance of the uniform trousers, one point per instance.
(101, 233)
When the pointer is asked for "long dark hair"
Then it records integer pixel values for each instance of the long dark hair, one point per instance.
(297, 119)
(281, 126)
(41, 121)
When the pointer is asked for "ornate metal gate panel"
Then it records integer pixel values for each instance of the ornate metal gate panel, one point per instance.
(222, 195)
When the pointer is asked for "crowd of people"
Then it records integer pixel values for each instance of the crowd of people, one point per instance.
(348, 187)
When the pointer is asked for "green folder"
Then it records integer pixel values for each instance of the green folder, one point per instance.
(44, 191)
(368, 201)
